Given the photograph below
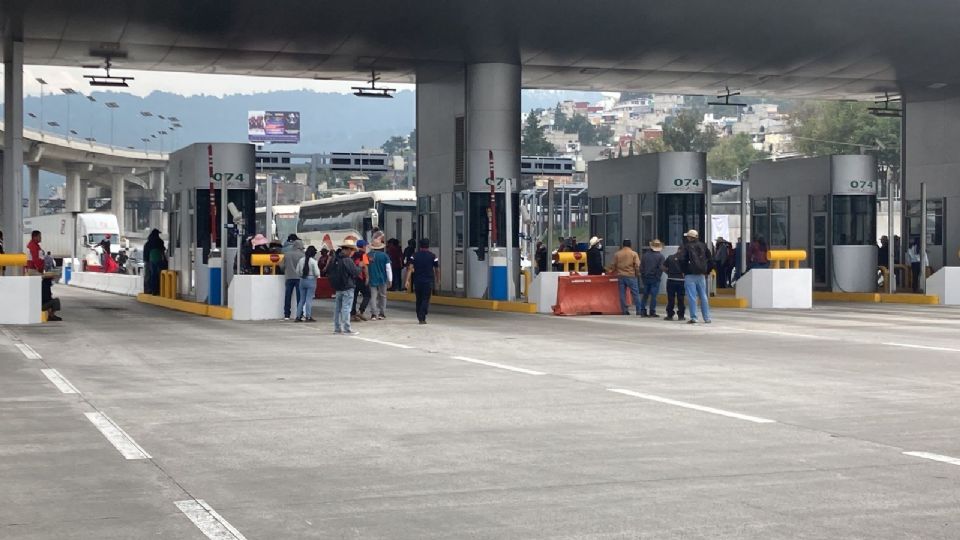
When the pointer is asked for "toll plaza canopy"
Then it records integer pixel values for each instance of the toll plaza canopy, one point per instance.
(802, 48)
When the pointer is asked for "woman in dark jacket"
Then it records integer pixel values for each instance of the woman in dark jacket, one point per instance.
(154, 253)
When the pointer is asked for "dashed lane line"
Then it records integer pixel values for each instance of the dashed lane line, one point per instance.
(500, 366)
(28, 351)
(118, 437)
(60, 381)
(924, 347)
(387, 343)
(934, 457)
(693, 406)
(210, 523)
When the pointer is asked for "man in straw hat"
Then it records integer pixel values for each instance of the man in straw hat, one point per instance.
(343, 274)
(381, 275)
(695, 258)
(651, 271)
(595, 257)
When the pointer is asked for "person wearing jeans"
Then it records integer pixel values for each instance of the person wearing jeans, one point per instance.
(626, 266)
(380, 273)
(423, 272)
(651, 271)
(292, 254)
(341, 312)
(694, 256)
(343, 273)
(309, 271)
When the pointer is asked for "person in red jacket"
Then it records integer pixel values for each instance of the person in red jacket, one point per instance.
(36, 264)
(35, 252)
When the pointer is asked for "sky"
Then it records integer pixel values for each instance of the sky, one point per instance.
(185, 84)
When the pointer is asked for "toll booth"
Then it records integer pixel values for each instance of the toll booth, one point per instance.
(190, 173)
(826, 206)
(660, 195)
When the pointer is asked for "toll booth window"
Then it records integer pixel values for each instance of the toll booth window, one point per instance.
(613, 221)
(854, 220)
(934, 221)
(676, 214)
(598, 218)
(478, 222)
(428, 209)
(779, 223)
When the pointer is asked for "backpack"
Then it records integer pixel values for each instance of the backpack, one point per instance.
(723, 253)
(337, 274)
(698, 259)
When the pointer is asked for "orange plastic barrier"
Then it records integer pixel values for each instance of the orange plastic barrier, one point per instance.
(588, 295)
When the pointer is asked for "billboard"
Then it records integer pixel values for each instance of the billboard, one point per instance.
(273, 126)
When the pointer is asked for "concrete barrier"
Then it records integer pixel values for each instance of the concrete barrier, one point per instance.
(777, 289)
(945, 284)
(124, 284)
(21, 300)
(543, 290)
(257, 298)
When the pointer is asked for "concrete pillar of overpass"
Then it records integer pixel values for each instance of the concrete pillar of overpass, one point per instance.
(12, 180)
(34, 205)
(158, 216)
(71, 190)
(932, 150)
(118, 201)
(492, 124)
(85, 194)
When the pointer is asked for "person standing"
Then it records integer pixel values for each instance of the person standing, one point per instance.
(423, 272)
(154, 255)
(342, 273)
(626, 266)
(917, 263)
(292, 255)
(675, 288)
(651, 271)
(595, 257)
(541, 258)
(37, 265)
(694, 257)
(396, 262)
(309, 271)
(362, 261)
(381, 274)
(723, 259)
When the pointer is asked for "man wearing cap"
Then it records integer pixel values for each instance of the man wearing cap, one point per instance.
(651, 272)
(695, 258)
(293, 250)
(626, 266)
(423, 272)
(381, 275)
(595, 257)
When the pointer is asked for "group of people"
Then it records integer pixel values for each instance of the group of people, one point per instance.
(686, 272)
(917, 263)
(360, 273)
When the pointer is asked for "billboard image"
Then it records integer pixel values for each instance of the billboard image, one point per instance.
(273, 126)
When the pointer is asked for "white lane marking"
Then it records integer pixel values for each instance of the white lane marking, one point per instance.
(397, 345)
(210, 523)
(501, 366)
(684, 404)
(118, 438)
(9, 334)
(934, 457)
(28, 351)
(60, 381)
(924, 347)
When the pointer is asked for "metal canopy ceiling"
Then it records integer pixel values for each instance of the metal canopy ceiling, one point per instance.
(801, 48)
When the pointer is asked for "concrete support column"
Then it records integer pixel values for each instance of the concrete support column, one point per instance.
(492, 124)
(158, 217)
(118, 201)
(12, 181)
(71, 191)
(85, 195)
(34, 171)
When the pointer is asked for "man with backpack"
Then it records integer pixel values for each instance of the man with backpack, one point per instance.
(343, 273)
(694, 257)
(723, 262)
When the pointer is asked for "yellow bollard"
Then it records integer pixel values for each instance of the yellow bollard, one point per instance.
(15, 260)
(264, 260)
(786, 258)
(572, 261)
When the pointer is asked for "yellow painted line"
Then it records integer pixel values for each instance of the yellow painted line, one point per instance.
(728, 302)
(473, 303)
(924, 299)
(830, 296)
(220, 312)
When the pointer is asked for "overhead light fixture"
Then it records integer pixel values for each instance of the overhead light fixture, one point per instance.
(112, 105)
(372, 91)
(726, 99)
(92, 99)
(68, 91)
(173, 119)
(53, 124)
(106, 79)
(146, 113)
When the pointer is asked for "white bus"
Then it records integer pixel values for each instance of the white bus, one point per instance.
(328, 222)
(284, 221)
